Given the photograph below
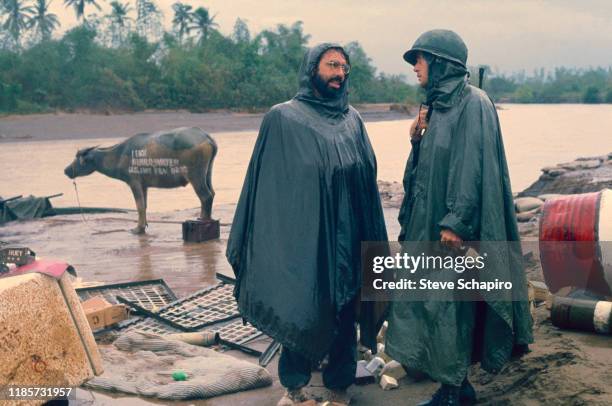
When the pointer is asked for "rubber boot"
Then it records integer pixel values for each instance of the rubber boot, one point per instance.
(447, 395)
(467, 393)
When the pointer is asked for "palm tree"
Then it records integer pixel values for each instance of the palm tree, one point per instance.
(241, 32)
(203, 22)
(79, 6)
(42, 21)
(145, 9)
(118, 19)
(149, 20)
(119, 13)
(17, 17)
(182, 18)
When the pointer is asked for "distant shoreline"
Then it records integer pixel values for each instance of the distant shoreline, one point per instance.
(78, 126)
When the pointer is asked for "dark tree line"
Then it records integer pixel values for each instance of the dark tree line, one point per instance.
(120, 62)
(117, 63)
(561, 85)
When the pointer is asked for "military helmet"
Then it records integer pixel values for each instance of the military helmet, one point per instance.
(442, 43)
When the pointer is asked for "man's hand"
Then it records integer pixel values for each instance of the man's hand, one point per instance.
(449, 237)
(419, 124)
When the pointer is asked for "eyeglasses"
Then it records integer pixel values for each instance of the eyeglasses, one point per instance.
(335, 65)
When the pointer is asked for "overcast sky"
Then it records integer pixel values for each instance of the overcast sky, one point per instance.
(508, 35)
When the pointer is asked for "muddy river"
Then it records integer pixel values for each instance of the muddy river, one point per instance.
(101, 248)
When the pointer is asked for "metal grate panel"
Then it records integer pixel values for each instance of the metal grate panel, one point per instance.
(151, 295)
(211, 309)
(233, 331)
(237, 332)
(203, 308)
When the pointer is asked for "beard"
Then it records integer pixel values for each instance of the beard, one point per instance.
(326, 91)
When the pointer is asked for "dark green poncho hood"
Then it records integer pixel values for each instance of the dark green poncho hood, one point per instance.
(457, 178)
(447, 81)
(308, 200)
(332, 107)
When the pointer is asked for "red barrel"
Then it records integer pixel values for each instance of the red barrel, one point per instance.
(575, 242)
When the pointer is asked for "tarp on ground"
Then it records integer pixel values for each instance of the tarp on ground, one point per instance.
(6, 214)
(31, 207)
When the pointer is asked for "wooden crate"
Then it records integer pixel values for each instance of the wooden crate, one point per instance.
(200, 230)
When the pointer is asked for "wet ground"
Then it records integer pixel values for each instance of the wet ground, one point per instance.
(102, 249)
(62, 126)
(563, 368)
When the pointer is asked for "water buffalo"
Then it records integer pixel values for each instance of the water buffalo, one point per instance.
(165, 159)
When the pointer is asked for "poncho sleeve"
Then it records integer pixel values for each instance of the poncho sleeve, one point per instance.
(244, 210)
(476, 129)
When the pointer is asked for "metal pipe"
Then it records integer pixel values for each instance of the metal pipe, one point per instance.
(580, 314)
(155, 315)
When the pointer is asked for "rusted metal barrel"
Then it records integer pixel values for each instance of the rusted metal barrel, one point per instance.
(575, 242)
(580, 314)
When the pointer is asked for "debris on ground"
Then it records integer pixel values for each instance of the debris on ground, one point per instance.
(101, 314)
(149, 365)
(44, 335)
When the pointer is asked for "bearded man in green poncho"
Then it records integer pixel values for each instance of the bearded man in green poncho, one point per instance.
(457, 189)
(309, 199)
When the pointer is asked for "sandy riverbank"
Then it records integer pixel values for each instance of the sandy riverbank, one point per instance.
(62, 126)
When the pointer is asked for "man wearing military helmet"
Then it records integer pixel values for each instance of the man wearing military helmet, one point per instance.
(457, 190)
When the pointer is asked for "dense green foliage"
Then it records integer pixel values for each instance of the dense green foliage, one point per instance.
(202, 72)
(116, 62)
(561, 85)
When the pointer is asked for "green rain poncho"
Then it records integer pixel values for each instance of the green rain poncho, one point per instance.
(309, 198)
(457, 178)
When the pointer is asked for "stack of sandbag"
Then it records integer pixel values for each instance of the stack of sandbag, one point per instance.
(528, 208)
(584, 175)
